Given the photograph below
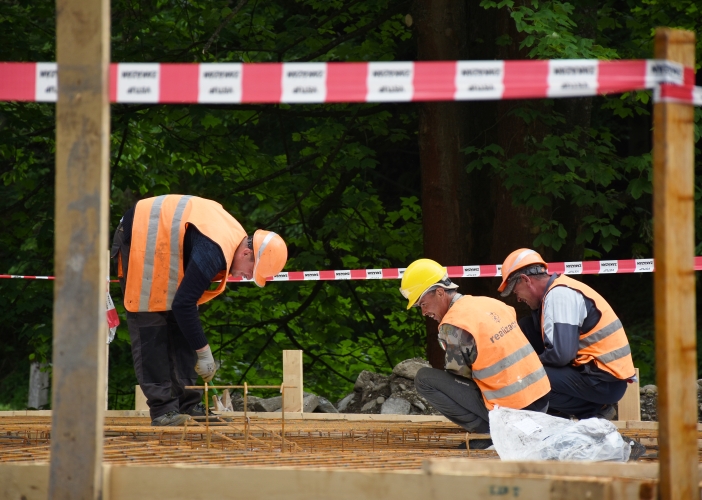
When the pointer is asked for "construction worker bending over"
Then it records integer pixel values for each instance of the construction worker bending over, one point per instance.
(488, 360)
(576, 334)
(169, 250)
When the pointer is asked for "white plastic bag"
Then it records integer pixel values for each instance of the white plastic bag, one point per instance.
(529, 435)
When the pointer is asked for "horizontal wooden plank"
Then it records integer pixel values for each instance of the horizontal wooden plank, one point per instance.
(441, 479)
(155, 483)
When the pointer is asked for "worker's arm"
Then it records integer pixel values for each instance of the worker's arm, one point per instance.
(460, 350)
(205, 262)
(564, 311)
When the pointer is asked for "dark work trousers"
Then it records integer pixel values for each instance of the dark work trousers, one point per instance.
(573, 392)
(459, 399)
(580, 394)
(164, 362)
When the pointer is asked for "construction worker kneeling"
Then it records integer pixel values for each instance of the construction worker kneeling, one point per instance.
(169, 251)
(488, 359)
(578, 337)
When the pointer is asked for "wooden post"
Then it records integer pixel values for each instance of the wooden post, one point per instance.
(81, 207)
(629, 407)
(674, 279)
(292, 376)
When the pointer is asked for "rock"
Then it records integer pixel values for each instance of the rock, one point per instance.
(325, 406)
(310, 403)
(379, 387)
(409, 367)
(380, 400)
(250, 402)
(269, 404)
(395, 406)
(369, 405)
(419, 405)
(364, 380)
(650, 389)
(344, 403)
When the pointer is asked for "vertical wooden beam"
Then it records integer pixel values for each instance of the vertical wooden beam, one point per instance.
(629, 407)
(292, 376)
(82, 202)
(674, 279)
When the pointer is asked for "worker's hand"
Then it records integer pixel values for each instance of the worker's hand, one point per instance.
(205, 366)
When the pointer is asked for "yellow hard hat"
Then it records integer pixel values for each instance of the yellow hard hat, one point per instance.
(421, 275)
(270, 254)
(519, 259)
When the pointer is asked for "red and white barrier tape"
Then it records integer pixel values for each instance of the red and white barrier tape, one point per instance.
(623, 266)
(685, 94)
(486, 271)
(112, 319)
(226, 83)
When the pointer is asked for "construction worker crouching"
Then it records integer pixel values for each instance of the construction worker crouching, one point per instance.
(578, 338)
(488, 360)
(170, 249)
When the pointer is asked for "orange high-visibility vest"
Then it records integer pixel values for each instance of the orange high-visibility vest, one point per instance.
(156, 256)
(507, 370)
(606, 343)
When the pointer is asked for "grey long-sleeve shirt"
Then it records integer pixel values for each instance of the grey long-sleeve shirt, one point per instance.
(567, 313)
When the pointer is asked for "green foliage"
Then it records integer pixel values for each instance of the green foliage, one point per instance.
(580, 168)
(309, 172)
(583, 170)
(550, 30)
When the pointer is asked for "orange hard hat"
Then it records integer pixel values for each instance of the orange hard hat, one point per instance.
(519, 259)
(270, 254)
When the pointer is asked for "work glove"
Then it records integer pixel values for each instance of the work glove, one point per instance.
(205, 366)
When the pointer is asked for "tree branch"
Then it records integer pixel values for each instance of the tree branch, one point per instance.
(370, 321)
(277, 173)
(265, 345)
(306, 193)
(308, 301)
(121, 146)
(316, 358)
(349, 36)
(223, 24)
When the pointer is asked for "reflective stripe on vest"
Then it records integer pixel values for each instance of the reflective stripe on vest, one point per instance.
(517, 386)
(606, 344)
(507, 370)
(174, 261)
(504, 363)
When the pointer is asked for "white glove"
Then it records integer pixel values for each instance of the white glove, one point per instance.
(205, 366)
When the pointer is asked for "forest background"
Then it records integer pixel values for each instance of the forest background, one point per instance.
(350, 185)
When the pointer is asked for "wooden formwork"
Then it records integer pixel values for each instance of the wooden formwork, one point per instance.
(386, 441)
(340, 456)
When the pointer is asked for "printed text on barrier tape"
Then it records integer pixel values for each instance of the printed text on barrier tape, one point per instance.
(393, 81)
(484, 271)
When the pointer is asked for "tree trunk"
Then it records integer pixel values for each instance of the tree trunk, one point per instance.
(441, 35)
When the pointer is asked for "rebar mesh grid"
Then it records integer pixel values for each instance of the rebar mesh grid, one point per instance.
(255, 442)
